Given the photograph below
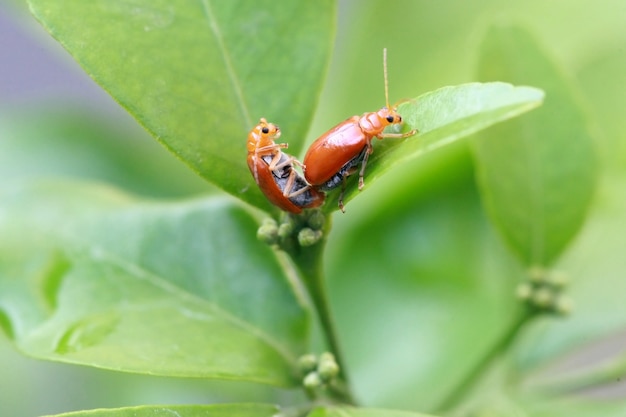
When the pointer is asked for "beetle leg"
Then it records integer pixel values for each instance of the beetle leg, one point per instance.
(291, 181)
(396, 135)
(343, 190)
(289, 185)
(260, 155)
(300, 164)
(368, 151)
(300, 191)
(274, 163)
(290, 160)
(272, 147)
(256, 170)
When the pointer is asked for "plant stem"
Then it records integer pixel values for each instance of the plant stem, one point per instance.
(309, 262)
(317, 291)
(467, 383)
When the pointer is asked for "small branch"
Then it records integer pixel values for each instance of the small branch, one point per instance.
(467, 383)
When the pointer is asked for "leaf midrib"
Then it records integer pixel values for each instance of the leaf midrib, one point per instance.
(230, 70)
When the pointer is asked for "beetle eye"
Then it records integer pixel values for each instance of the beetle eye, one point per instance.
(390, 119)
(265, 130)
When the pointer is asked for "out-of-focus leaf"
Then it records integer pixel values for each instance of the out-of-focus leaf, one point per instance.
(591, 367)
(606, 102)
(76, 143)
(95, 277)
(577, 407)
(537, 173)
(430, 290)
(198, 75)
(503, 393)
(362, 412)
(218, 410)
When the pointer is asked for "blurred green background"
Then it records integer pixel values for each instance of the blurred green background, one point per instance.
(55, 121)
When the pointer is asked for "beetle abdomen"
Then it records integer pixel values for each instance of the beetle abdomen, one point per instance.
(346, 170)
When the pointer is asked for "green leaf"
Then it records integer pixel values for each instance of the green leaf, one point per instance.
(95, 277)
(217, 410)
(198, 75)
(444, 116)
(362, 412)
(537, 173)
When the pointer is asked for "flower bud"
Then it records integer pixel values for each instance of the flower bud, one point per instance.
(268, 232)
(316, 219)
(312, 380)
(309, 237)
(543, 297)
(307, 363)
(563, 305)
(327, 367)
(285, 230)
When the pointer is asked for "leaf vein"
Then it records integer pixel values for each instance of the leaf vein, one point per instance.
(141, 273)
(230, 69)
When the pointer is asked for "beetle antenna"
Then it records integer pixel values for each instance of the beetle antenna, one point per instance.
(385, 74)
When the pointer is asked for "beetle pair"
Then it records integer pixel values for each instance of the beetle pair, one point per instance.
(329, 161)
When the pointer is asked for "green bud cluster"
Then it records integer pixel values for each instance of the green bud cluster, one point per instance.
(543, 291)
(302, 230)
(318, 372)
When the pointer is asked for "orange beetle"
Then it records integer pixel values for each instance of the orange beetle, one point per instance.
(273, 171)
(336, 154)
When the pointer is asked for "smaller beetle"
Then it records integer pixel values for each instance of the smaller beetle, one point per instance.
(273, 171)
(336, 154)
